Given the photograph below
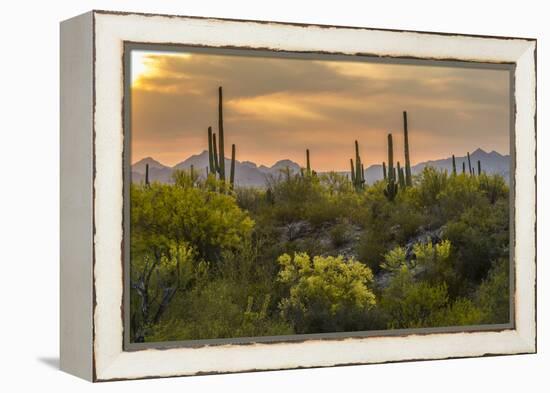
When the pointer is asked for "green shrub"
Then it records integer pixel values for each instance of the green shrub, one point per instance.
(208, 220)
(325, 294)
(493, 295)
(339, 234)
(410, 304)
(220, 309)
(479, 236)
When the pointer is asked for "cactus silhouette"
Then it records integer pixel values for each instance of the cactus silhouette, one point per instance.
(146, 174)
(454, 165)
(400, 176)
(357, 170)
(408, 175)
(211, 148)
(221, 154)
(215, 153)
(469, 164)
(391, 187)
(308, 164)
(478, 167)
(232, 171)
(384, 170)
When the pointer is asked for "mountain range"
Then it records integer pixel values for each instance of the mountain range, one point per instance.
(250, 174)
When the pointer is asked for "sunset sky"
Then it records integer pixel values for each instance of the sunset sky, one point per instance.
(276, 108)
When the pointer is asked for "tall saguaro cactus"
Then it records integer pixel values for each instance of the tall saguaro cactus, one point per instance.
(221, 136)
(384, 170)
(146, 174)
(478, 167)
(400, 176)
(308, 163)
(211, 149)
(232, 171)
(215, 154)
(454, 165)
(391, 188)
(357, 170)
(469, 164)
(408, 175)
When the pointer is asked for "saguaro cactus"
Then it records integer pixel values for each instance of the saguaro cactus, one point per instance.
(408, 175)
(308, 163)
(478, 167)
(391, 188)
(147, 174)
(359, 176)
(454, 165)
(211, 149)
(469, 164)
(232, 172)
(357, 170)
(221, 136)
(384, 170)
(400, 175)
(215, 154)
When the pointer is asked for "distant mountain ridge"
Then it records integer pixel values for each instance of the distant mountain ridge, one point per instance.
(249, 174)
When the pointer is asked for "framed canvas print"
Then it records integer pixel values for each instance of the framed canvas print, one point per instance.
(246, 195)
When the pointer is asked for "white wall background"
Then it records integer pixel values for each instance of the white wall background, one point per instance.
(29, 197)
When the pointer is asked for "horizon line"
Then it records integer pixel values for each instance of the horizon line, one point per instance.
(283, 159)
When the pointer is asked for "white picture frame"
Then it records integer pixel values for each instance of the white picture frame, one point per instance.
(92, 190)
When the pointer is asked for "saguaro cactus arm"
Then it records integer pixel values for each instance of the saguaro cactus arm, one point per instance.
(215, 154)
(232, 172)
(211, 148)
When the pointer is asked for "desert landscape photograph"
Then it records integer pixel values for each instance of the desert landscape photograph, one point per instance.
(279, 195)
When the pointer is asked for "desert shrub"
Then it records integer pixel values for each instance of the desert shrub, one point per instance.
(250, 199)
(493, 295)
(410, 304)
(208, 220)
(461, 312)
(339, 234)
(431, 183)
(154, 282)
(436, 264)
(461, 192)
(479, 236)
(336, 183)
(377, 236)
(325, 294)
(493, 187)
(219, 309)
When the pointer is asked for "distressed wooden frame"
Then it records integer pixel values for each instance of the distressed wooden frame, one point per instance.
(92, 161)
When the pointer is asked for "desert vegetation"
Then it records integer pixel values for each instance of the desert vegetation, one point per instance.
(317, 252)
